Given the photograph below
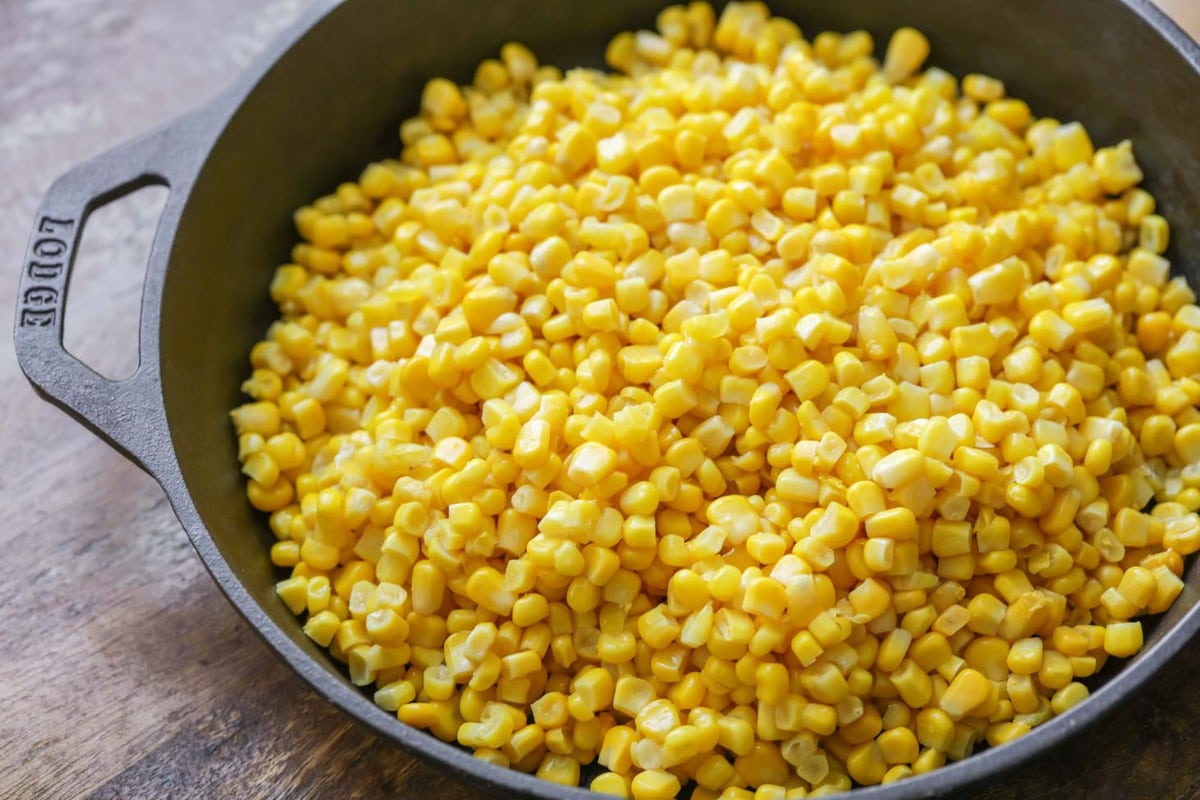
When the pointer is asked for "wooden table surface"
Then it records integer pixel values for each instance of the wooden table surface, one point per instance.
(123, 671)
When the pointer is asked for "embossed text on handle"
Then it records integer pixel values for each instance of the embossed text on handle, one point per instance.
(46, 270)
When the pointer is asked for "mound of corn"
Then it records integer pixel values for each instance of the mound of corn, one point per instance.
(758, 416)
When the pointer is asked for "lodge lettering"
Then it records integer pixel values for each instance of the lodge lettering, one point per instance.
(51, 225)
(34, 318)
(46, 272)
(49, 253)
(49, 247)
(41, 296)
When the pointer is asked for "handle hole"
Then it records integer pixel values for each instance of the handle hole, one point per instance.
(104, 303)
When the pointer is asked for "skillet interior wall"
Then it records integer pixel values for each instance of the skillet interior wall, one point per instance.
(334, 101)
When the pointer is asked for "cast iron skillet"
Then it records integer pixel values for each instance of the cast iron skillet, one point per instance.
(327, 97)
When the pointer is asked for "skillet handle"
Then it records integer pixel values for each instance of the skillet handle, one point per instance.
(126, 413)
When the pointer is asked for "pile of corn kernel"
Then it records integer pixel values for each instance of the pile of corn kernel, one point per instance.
(760, 419)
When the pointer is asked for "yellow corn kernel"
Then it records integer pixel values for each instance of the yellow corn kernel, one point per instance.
(898, 746)
(1116, 168)
(912, 683)
(899, 468)
(969, 690)
(610, 783)
(935, 729)
(322, 627)
(562, 769)
(550, 710)
(1025, 656)
(1068, 697)
(486, 588)
(591, 463)
(674, 399)
(906, 52)
(654, 784)
(1123, 639)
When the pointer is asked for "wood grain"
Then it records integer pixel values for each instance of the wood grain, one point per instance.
(123, 672)
(1185, 12)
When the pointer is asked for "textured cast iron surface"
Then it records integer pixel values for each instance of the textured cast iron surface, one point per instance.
(328, 97)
